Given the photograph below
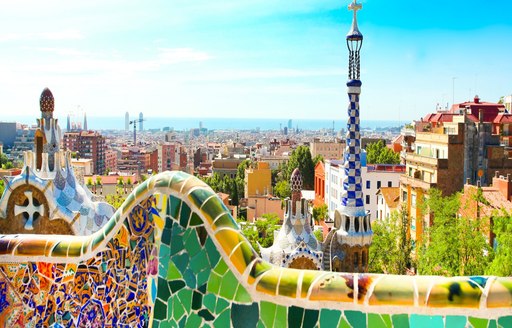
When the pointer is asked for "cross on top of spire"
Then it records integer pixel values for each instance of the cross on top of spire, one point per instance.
(354, 34)
(355, 6)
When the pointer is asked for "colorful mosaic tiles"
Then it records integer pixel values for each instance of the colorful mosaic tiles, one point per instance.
(172, 256)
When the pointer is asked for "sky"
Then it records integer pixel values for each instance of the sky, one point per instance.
(250, 58)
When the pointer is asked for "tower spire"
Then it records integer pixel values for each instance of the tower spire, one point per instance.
(352, 195)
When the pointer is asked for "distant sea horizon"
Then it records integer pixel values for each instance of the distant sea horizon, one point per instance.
(214, 123)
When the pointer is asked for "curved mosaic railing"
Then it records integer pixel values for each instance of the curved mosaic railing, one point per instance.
(173, 256)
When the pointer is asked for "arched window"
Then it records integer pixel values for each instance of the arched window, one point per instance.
(356, 262)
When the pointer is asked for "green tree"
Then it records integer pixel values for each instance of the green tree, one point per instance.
(116, 200)
(390, 251)
(319, 235)
(320, 212)
(3, 159)
(301, 159)
(282, 189)
(2, 187)
(454, 245)
(316, 159)
(378, 153)
(501, 265)
(262, 231)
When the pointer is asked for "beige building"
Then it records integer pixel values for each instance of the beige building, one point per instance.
(328, 149)
(226, 166)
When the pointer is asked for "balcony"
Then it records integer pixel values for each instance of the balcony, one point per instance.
(439, 163)
(416, 183)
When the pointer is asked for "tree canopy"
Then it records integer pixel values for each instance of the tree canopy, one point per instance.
(378, 153)
(301, 159)
(501, 265)
(262, 231)
(390, 251)
(453, 245)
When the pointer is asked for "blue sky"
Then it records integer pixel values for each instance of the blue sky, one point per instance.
(254, 58)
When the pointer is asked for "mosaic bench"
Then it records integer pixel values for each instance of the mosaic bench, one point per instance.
(172, 256)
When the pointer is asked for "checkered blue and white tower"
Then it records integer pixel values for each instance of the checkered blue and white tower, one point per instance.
(352, 194)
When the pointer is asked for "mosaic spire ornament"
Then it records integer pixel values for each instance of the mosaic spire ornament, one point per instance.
(352, 195)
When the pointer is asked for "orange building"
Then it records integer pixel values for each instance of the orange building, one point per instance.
(319, 184)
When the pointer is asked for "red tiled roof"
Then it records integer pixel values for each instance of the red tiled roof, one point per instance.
(503, 118)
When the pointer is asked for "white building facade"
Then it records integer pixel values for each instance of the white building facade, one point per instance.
(374, 176)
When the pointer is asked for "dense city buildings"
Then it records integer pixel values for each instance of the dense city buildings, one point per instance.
(470, 142)
(88, 144)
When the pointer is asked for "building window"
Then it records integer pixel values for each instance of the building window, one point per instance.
(367, 199)
(389, 184)
(404, 196)
(413, 200)
(378, 184)
(368, 184)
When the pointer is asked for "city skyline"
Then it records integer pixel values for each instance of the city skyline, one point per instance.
(250, 58)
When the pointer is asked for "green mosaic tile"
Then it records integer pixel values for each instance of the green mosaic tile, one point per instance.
(379, 321)
(222, 304)
(456, 321)
(492, 324)
(221, 268)
(184, 215)
(160, 310)
(163, 289)
(268, 313)
(213, 253)
(310, 318)
(244, 315)
(195, 220)
(165, 253)
(214, 283)
(356, 319)
(344, 323)
(190, 278)
(185, 296)
(223, 320)
(194, 321)
(329, 318)
(213, 208)
(176, 285)
(425, 321)
(295, 316)
(281, 315)
(176, 245)
(210, 301)
(172, 272)
(478, 322)
(199, 196)
(192, 243)
(181, 261)
(259, 268)
(225, 220)
(178, 310)
(505, 322)
(242, 296)
(202, 277)
(228, 286)
(206, 315)
(400, 320)
(166, 236)
(173, 206)
(197, 300)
